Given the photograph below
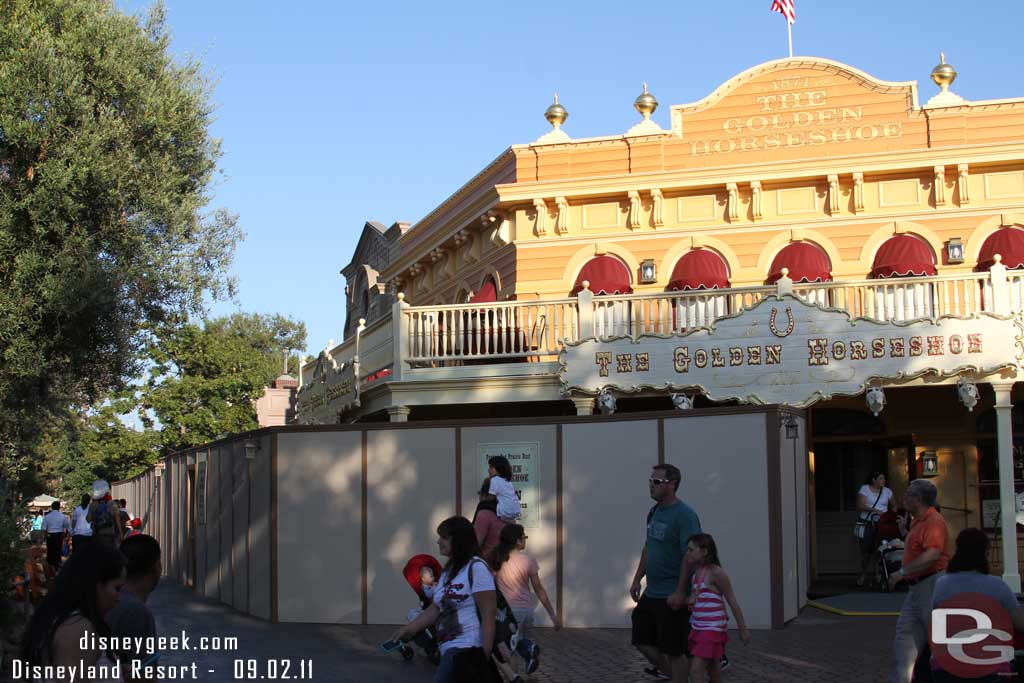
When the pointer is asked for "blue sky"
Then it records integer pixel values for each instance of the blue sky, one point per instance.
(332, 114)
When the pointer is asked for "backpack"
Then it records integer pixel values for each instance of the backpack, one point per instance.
(506, 628)
(102, 519)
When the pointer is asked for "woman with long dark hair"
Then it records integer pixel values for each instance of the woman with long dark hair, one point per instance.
(516, 573)
(464, 626)
(83, 592)
(967, 573)
(873, 499)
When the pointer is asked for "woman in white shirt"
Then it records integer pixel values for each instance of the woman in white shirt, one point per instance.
(464, 627)
(873, 499)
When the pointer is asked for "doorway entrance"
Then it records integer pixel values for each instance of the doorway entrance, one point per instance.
(848, 446)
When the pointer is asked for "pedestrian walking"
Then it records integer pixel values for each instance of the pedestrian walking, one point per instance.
(71, 615)
(485, 520)
(130, 620)
(518, 577)
(924, 560)
(81, 530)
(709, 621)
(56, 525)
(464, 608)
(661, 625)
(105, 520)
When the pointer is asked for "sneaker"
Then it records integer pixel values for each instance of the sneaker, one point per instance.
(657, 673)
(724, 664)
(533, 659)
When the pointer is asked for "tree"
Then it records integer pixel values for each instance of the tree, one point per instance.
(106, 165)
(205, 380)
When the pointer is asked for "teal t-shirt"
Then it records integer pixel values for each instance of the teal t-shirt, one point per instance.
(667, 532)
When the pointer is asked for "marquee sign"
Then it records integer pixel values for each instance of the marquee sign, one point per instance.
(789, 352)
(332, 391)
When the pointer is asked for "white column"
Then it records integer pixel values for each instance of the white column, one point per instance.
(584, 404)
(398, 413)
(1007, 498)
(399, 338)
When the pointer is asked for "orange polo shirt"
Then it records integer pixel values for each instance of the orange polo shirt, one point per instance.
(930, 531)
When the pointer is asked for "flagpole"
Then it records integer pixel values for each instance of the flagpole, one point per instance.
(789, 30)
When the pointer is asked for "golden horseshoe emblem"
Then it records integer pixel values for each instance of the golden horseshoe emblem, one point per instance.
(789, 327)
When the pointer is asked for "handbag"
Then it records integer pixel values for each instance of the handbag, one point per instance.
(860, 529)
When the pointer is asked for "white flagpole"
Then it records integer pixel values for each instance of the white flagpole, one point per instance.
(789, 29)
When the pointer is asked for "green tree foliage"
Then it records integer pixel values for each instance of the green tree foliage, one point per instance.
(205, 380)
(106, 165)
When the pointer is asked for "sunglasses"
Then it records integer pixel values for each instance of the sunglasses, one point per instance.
(655, 481)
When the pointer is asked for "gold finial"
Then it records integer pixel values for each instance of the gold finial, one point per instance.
(645, 103)
(556, 114)
(943, 74)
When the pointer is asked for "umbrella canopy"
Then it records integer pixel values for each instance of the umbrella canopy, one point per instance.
(42, 501)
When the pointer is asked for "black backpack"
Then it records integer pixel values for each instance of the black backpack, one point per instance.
(506, 626)
(102, 519)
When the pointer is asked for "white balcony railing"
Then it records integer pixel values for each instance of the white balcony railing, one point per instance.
(530, 331)
(535, 330)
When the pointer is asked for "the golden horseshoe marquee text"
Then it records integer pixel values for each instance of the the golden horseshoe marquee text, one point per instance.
(820, 351)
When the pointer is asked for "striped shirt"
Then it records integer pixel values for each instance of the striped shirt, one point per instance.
(708, 612)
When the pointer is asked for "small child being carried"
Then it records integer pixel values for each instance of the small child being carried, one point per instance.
(712, 589)
(509, 509)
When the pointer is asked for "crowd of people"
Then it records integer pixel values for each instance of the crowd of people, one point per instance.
(91, 622)
(679, 622)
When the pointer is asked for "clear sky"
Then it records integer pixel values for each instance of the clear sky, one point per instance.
(335, 113)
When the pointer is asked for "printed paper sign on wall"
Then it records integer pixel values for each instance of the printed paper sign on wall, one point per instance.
(523, 459)
(789, 352)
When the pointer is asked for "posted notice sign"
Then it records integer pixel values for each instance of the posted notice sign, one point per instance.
(522, 456)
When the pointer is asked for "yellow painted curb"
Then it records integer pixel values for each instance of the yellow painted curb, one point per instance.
(845, 613)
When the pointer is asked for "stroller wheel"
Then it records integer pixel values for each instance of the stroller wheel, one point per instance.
(407, 652)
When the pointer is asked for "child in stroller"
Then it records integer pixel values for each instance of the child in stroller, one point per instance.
(421, 572)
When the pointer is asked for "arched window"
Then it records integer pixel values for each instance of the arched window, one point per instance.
(488, 292)
(699, 269)
(902, 256)
(606, 275)
(806, 261)
(1008, 243)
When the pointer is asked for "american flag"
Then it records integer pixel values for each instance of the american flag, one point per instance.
(786, 8)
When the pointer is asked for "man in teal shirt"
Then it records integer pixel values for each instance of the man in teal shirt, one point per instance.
(661, 625)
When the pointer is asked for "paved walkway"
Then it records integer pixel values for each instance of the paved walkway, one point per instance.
(817, 646)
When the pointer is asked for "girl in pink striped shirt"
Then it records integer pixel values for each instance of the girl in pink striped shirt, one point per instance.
(708, 617)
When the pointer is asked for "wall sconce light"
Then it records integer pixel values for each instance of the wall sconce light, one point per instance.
(929, 464)
(791, 425)
(251, 446)
(648, 271)
(954, 250)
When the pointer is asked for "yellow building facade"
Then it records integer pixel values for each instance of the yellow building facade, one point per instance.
(801, 177)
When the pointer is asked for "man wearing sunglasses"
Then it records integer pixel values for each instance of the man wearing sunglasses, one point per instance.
(661, 625)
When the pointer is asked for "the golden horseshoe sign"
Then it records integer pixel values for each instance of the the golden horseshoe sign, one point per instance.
(789, 327)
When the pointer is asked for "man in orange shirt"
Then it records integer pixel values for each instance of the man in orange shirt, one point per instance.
(924, 560)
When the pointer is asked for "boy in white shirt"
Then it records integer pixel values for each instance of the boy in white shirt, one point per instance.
(509, 509)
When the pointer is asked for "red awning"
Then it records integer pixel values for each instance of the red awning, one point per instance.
(606, 274)
(1008, 243)
(488, 293)
(806, 262)
(903, 256)
(699, 269)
